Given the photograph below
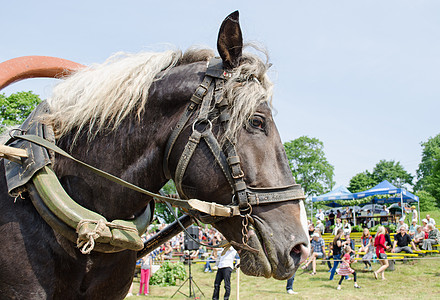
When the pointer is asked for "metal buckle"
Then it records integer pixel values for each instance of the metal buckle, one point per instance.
(241, 175)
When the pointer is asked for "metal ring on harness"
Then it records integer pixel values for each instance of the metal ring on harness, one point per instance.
(201, 121)
(246, 211)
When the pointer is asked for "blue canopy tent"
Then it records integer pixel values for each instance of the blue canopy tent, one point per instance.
(386, 188)
(339, 193)
(392, 200)
(333, 204)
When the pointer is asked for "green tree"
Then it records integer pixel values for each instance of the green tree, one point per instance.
(431, 148)
(15, 108)
(393, 172)
(427, 202)
(361, 182)
(309, 165)
(161, 210)
(433, 180)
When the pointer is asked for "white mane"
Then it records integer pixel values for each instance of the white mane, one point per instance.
(102, 95)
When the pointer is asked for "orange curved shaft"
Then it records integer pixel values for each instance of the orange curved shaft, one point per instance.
(24, 67)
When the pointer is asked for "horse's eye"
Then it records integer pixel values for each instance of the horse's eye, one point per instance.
(257, 122)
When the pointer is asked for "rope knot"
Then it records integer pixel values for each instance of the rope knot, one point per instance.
(86, 239)
(87, 235)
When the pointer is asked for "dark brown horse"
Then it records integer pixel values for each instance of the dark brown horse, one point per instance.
(119, 117)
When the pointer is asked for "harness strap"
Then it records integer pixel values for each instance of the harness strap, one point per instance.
(211, 90)
(238, 176)
(258, 196)
(195, 99)
(201, 90)
(219, 155)
(48, 145)
(187, 153)
(206, 102)
(175, 134)
(213, 209)
(218, 92)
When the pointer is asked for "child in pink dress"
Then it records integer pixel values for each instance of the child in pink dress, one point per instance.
(145, 275)
(345, 269)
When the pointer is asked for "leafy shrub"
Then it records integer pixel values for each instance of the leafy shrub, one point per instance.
(168, 273)
(374, 228)
(357, 228)
(391, 228)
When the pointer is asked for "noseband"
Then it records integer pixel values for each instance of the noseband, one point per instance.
(206, 104)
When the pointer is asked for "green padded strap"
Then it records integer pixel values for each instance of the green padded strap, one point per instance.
(44, 143)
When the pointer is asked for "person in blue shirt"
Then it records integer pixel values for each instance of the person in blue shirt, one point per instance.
(317, 251)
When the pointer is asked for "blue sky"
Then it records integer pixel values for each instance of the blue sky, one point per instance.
(362, 76)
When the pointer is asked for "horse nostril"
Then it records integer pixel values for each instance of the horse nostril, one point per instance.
(300, 251)
(297, 249)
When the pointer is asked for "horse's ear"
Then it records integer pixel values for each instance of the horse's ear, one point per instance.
(230, 41)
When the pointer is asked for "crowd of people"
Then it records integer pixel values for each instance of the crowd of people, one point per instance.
(175, 249)
(344, 217)
(342, 248)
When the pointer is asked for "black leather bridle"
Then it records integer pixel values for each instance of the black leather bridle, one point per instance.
(208, 103)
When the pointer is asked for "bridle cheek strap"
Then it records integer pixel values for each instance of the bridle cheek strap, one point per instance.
(188, 152)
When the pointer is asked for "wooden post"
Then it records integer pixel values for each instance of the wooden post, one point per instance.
(238, 282)
(12, 154)
(10, 151)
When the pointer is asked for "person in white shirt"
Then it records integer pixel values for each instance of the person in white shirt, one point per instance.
(320, 215)
(225, 266)
(338, 226)
(320, 227)
(430, 220)
(346, 227)
(400, 224)
(415, 215)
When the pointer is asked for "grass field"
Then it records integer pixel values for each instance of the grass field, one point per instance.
(413, 280)
(418, 279)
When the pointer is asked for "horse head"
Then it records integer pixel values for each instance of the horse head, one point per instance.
(271, 235)
(220, 147)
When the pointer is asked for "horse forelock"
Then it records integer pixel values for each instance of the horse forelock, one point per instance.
(102, 95)
(245, 91)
